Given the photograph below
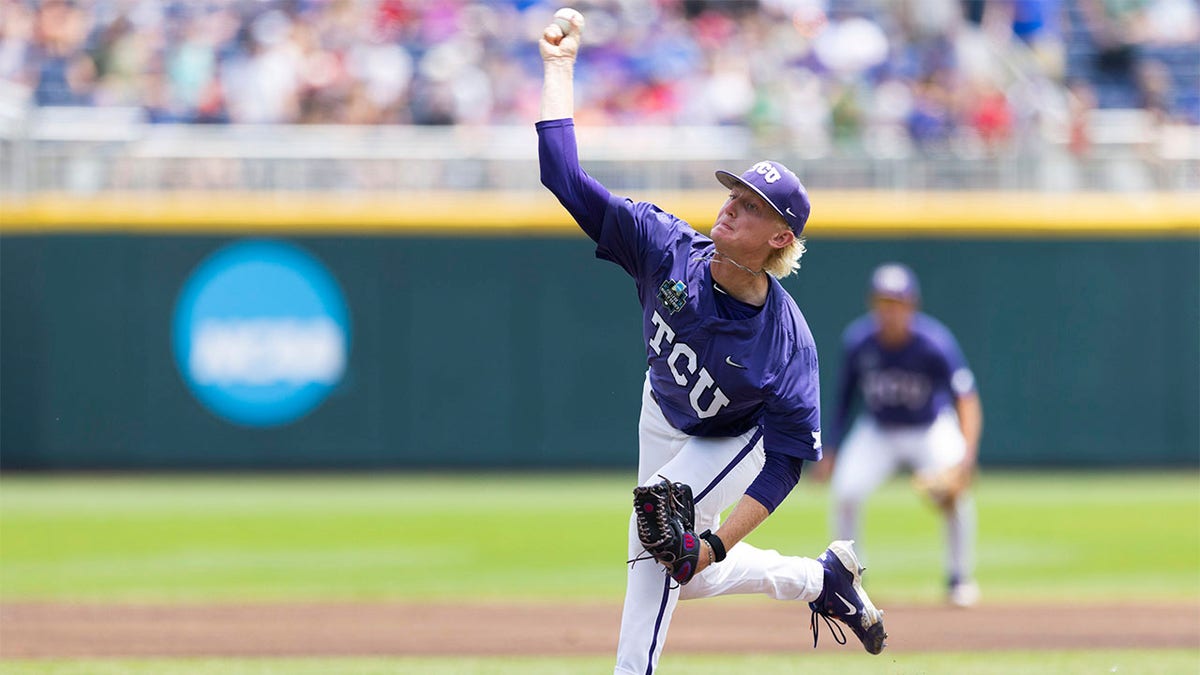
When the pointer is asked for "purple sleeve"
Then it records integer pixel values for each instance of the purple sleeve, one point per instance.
(792, 420)
(580, 194)
(775, 482)
(847, 385)
(951, 365)
(631, 234)
(959, 375)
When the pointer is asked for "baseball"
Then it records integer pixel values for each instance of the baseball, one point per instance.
(563, 25)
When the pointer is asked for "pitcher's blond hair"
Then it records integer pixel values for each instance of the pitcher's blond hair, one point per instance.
(784, 261)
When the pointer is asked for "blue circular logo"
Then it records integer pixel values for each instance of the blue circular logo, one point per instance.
(261, 333)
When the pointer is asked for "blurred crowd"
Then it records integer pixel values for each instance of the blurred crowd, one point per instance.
(892, 74)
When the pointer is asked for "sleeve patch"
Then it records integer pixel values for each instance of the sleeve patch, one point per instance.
(963, 381)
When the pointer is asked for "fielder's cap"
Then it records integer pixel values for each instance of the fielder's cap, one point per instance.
(897, 281)
(780, 188)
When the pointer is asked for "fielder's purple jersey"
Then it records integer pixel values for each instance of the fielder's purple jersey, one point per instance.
(711, 375)
(904, 387)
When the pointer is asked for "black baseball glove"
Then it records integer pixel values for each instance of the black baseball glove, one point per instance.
(666, 517)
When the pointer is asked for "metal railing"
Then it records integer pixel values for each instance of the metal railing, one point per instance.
(89, 151)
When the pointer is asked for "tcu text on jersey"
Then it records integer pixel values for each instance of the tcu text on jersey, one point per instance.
(704, 380)
(893, 387)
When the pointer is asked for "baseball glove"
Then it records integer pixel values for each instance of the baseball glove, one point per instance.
(941, 486)
(666, 517)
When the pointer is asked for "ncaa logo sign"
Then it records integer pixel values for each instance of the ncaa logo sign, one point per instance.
(261, 333)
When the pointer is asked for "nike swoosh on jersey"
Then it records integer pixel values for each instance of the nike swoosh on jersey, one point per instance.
(730, 361)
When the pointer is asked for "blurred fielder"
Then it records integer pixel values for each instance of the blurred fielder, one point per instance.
(920, 411)
(730, 405)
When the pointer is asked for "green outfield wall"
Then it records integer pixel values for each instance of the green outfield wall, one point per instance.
(515, 347)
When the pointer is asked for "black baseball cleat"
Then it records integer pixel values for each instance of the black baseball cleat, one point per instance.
(845, 600)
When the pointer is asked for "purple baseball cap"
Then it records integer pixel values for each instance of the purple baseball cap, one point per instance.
(897, 281)
(776, 184)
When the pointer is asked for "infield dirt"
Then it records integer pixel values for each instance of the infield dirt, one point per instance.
(104, 630)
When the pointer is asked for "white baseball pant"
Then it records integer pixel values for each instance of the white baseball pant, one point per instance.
(871, 454)
(718, 470)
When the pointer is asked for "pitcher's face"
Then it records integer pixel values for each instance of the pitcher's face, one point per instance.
(746, 222)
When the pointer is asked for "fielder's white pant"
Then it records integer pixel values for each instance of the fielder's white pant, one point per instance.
(718, 470)
(871, 454)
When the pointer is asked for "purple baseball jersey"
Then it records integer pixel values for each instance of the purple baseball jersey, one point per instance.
(712, 375)
(717, 367)
(902, 387)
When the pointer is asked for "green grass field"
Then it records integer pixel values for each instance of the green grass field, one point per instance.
(1075, 538)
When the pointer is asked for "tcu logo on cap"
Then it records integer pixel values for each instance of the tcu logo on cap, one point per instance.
(767, 170)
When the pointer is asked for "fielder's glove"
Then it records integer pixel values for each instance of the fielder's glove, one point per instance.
(942, 486)
(666, 517)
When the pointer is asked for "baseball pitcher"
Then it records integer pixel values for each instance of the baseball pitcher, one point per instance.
(730, 404)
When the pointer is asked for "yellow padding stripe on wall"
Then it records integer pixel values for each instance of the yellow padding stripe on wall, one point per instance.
(444, 213)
